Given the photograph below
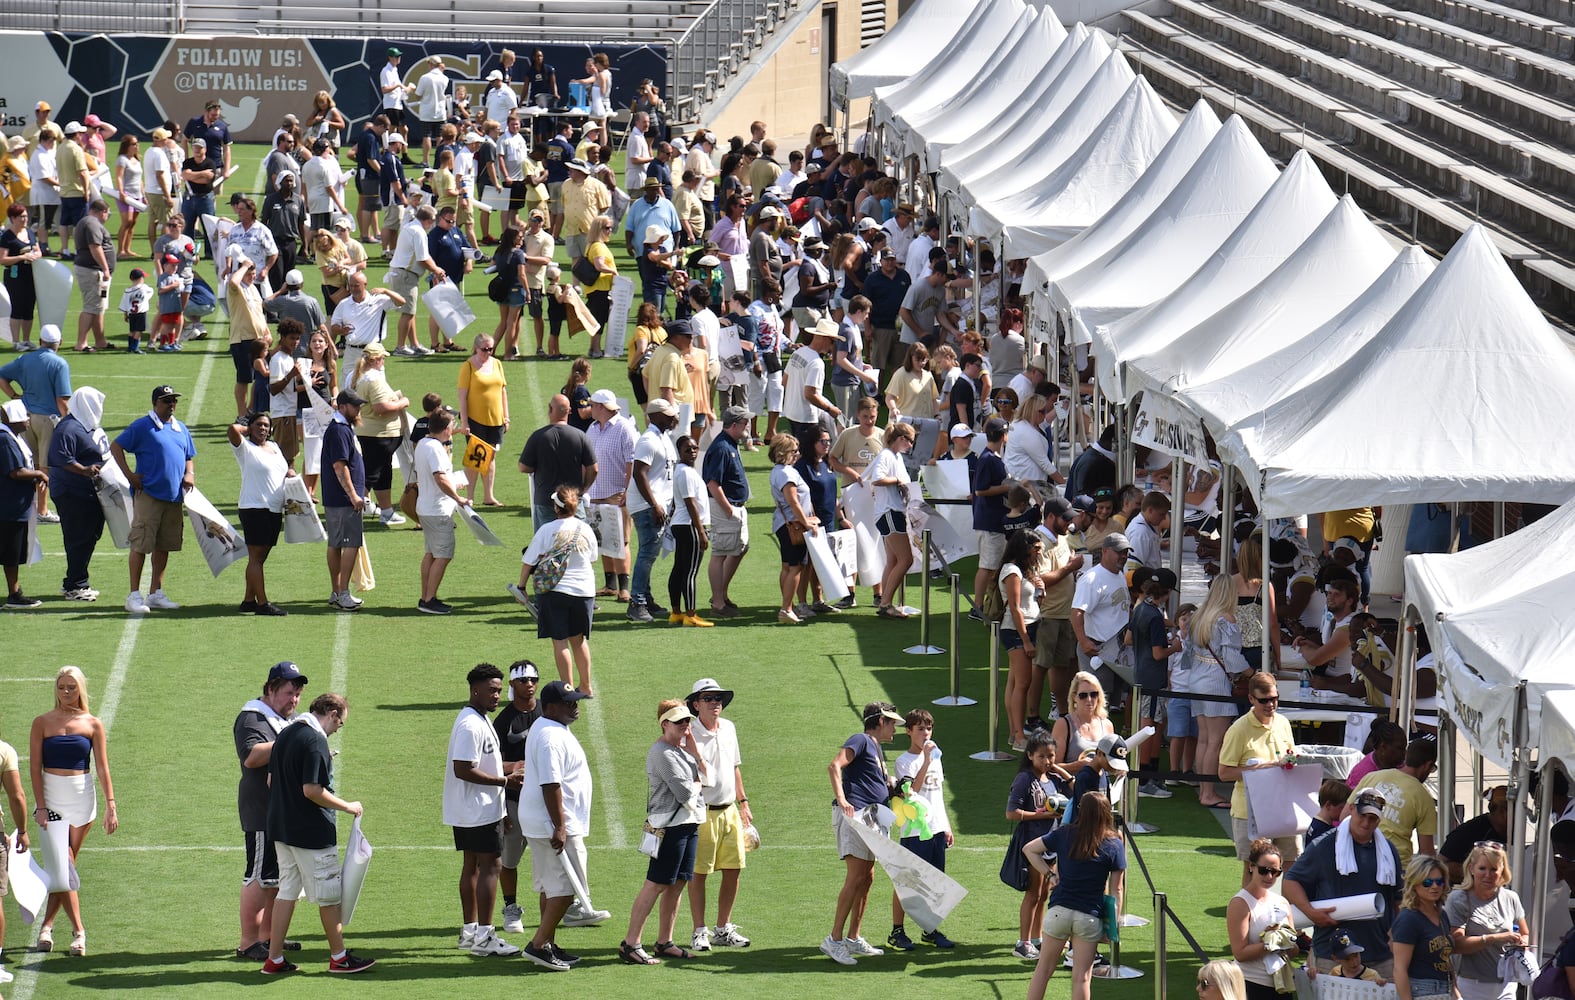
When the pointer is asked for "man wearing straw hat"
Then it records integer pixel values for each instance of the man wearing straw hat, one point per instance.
(721, 846)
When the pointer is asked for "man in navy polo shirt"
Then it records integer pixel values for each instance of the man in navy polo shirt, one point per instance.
(990, 486)
(343, 477)
(723, 472)
(451, 252)
(165, 454)
(560, 150)
(368, 176)
(211, 129)
(18, 482)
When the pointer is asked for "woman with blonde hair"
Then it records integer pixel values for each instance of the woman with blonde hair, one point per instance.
(790, 506)
(65, 746)
(566, 545)
(1212, 655)
(1421, 937)
(1027, 455)
(325, 121)
(380, 431)
(333, 266)
(1250, 595)
(483, 408)
(1221, 979)
(1077, 733)
(1487, 922)
(128, 190)
(598, 294)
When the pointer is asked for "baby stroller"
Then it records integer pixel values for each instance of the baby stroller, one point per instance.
(200, 304)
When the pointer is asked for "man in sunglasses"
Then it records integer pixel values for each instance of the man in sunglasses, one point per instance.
(721, 846)
(1259, 739)
(1354, 846)
(1410, 807)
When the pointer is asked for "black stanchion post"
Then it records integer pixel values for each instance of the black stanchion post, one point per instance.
(990, 752)
(955, 699)
(924, 648)
(1161, 965)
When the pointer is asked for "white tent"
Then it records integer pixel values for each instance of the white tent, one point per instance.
(1286, 215)
(917, 38)
(975, 47)
(1191, 138)
(1006, 80)
(1499, 614)
(1337, 263)
(1012, 115)
(1193, 221)
(1273, 365)
(1089, 182)
(1057, 141)
(964, 165)
(1557, 722)
(1464, 395)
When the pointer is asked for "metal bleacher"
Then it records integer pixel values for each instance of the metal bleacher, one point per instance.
(1434, 114)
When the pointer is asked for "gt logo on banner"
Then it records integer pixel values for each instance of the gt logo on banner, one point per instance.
(478, 455)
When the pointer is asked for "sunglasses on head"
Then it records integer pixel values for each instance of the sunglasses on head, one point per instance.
(1490, 844)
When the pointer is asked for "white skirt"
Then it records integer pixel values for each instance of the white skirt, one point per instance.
(71, 797)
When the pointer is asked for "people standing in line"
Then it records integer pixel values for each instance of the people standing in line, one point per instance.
(1055, 647)
(1251, 912)
(512, 726)
(66, 745)
(1422, 935)
(722, 469)
(256, 728)
(473, 792)
(1020, 589)
(1035, 800)
(78, 450)
(1260, 739)
(1486, 923)
(690, 526)
(1212, 652)
(858, 782)
(261, 504)
(19, 482)
(301, 807)
(888, 475)
(343, 475)
(791, 513)
(649, 503)
(19, 249)
(1352, 859)
(556, 455)
(722, 836)
(166, 456)
(380, 431)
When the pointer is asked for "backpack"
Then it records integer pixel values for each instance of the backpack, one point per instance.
(549, 572)
(498, 288)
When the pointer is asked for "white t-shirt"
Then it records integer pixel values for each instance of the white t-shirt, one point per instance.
(805, 369)
(634, 173)
(1106, 603)
(707, 328)
(579, 576)
(514, 151)
(720, 752)
(432, 96)
(687, 485)
(1145, 543)
(888, 465)
(1027, 597)
(554, 757)
(318, 176)
(389, 77)
(433, 459)
(473, 740)
(365, 319)
(500, 101)
(281, 404)
(412, 247)
(262, 475)
(655, 450)
(907, 766)
(154, 163)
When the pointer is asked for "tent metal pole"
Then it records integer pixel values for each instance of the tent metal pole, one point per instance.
(1499, 519)
(1271, 628)
(1227, 527)
(978, 294)
(1405, 671)
(1544, 860)
(1476, 775)
(1178, 469)
(1519, 784)
(1446, 775)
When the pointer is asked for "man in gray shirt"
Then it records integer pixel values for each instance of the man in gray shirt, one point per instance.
(290, 302)
(94, 265)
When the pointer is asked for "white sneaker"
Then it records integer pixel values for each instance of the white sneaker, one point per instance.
(701, 940)
(80, 594)
(344, 601)
(159, 599)
(729, 936)
(513, 919)
(420, 351)
(579, 916)
(5, 977)
(135, 603)
(392, 518)
(1026, 951)
(49, 517)
(467, 939)
(490, 945)
(404, 352)
(837, 951)
(861, 947)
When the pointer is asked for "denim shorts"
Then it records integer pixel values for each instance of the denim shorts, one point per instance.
(1180, 723)
(1010, 640)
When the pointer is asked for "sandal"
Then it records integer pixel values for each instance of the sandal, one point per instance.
(668, 949)
(606, 592)
(636, 954)
(889, 611)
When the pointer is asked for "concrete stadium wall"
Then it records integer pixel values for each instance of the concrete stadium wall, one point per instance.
(137, 81)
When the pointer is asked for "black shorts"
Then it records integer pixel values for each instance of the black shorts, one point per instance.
(429, 130)
(22, 299)
(933, 850)
(261, 526)
(562, 616)
(493, 435)
(322, 220)
(13, 543)
(675, 861)
(517, 194)
(479, 839)
(262, 865)
(241, 357)
(378, 455)
(1010, 640)
(792, 555)
(46, 215)
(893, 522)
(396, 116)
(533, 300)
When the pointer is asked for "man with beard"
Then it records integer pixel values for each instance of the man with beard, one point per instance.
(473, 789)
(256, 727)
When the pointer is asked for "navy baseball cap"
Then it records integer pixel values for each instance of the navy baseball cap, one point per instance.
(286, 671)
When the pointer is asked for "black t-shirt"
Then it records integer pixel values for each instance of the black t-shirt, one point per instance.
(512, 725)
(487, 156)
(252, 729)
(559, 454)
(207, 163)
(1465, 836)
(1148, 630)
(300, 758)
(964, 401)
(19, 274)
(1028, 520)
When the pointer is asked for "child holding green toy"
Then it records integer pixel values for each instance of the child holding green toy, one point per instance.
(923, 824)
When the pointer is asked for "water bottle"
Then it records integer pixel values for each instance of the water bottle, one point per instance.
(935, 752)
(1306, 688)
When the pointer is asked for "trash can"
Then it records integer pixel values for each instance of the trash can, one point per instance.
(1337, 761)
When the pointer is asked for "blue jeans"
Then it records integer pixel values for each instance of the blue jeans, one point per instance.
(648, 531)
(194, 207)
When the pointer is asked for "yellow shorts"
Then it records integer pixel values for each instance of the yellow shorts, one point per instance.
(721, 844)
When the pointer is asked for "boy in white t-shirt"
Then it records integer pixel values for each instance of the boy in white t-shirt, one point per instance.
(134, 303)
(920, 766)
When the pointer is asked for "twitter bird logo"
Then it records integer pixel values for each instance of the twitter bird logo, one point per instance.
(240, 117)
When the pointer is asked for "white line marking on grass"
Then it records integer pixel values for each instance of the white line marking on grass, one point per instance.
(336, 683)
(200, 391)
(28, 680)
(606, 781)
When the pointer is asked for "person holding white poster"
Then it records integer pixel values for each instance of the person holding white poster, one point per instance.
(64, 748)
(1261, 738)
(165, 455)
(264, 469)
(889, 477)
(16, 798)
(859, 782)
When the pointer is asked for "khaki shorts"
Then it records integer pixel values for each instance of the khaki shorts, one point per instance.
(159, 209)
(992, 549)
(1289, 847)
(849, 843)
(437, 536)
(729, 537)
(546, 871)
(156, 525)
(1055, 645)
(408, 284)
(555, 198)
(721, 841)
(95, 290)
(5, 865)
(393, 216)
(40, 431)
(1064, 923)
(314, 870)
(464, 215)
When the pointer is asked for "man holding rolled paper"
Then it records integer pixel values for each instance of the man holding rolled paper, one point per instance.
(1351, 860)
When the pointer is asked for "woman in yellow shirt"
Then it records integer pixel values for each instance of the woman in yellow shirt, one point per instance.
(380, 431)
(483, 408)
(910, 395)
(649, 334)
(598, 296)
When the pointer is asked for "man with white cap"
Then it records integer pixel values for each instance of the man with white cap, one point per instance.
(290, 302)
(613, 437)
(19, 483)
(76, 181)
(765, 257)
(512, 726)
(1101, 608)
(584, 198)
(394, 192)
(431, 106)
(652, 471)
(698, 159)
(721, 847)
(804, 401)
(45, 381)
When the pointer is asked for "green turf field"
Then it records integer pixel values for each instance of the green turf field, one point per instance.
(160, 897)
